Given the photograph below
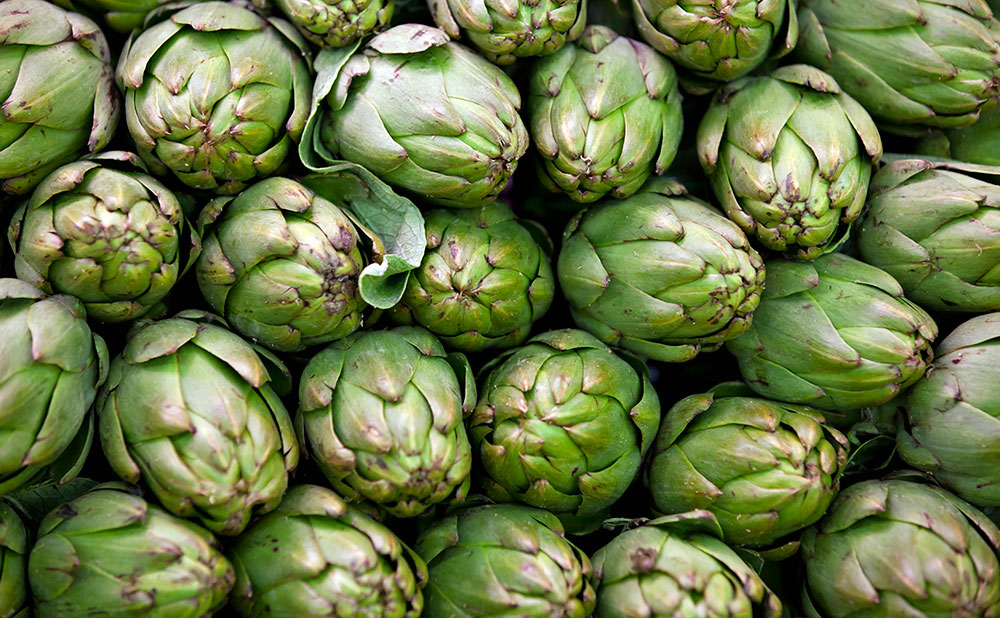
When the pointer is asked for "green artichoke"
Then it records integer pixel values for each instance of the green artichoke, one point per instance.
(423, 113)
(605, 114)
(103, 230)
(504, 560)
(111, 553)
(335, 23)
(678, 566)
(189, 409)
(316, 556)
(13, 565)
(120, 15)
(764, 469)
(973, 144)
(215, 95)
(936, 229)
(57, 91)
(512, 29)
(835, 333)
(483, 282)
(789, 157)
(50, 369)
(281, 264)
(660, 273)
(563, 424)
(897, 548)
(718, 39)
(924, 62)
(381, 412)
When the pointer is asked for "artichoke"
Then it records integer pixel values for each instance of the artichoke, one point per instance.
(13, 565)
(718, 39)
(422, 113)
(660, 273)
(605, 114)
(764, 469)
(381, 412)
(924, 62)
(504, 560)
(215, 95)
(189, 409)
(936, 229)
(835, 333)
(103, 230)
(57, 91)
(973, 144)
(563, 424)
(316, 556)
(898, 548)
(120, 15)
(677, 566)
(789, 157)
(335, 23)
(483, 282)
(281, 264)
(111, 553)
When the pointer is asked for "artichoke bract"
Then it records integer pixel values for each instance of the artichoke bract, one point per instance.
(660, 273)
(422, 113)
(718, 40)
(898, 548)
(106, 232)
(765, 469)
(215, 95)
(678, 566)
(381, 413)
(789, 157)
(973, 144)
(14, 602)
(281, 265)
(835, 333)
(335, 23)
(111, 553)
(936, 229)
(922, 62)
(317, 556)
(605, 114)
(57, 91)
(189, 408)
(563, 423)
(950, 424)
(504, 560)
(483, 282)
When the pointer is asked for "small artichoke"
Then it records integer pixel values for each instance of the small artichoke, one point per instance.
(483, 282)
(14, 598)
(189, 409)
(660, 273)
(504, 560)
(789, 157)
(335, 23)
(898, 548)
(381, 412)
(316, 556)
(834, 333)
(605, 114)
(563, 424)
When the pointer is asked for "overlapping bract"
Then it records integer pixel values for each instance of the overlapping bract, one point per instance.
(335, 23)
(14, 545)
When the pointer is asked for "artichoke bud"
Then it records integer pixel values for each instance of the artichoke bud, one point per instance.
(336, 23)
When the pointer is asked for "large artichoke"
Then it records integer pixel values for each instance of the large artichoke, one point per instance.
(789, 157)
(14, 547)
(281, 264)
(660, 273)
(936, 229)
(57, 91)
(215, 95)
(563, 424)
(678, 566)
(189, 409)
(104, 231)
(504, 560)
(835, 333)
(111, 553)
(381, 412)
(898, 548)
(765, 469)
(605, 114)
(483, 282)
(928, 62)
(335, 23)
(316, 556)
